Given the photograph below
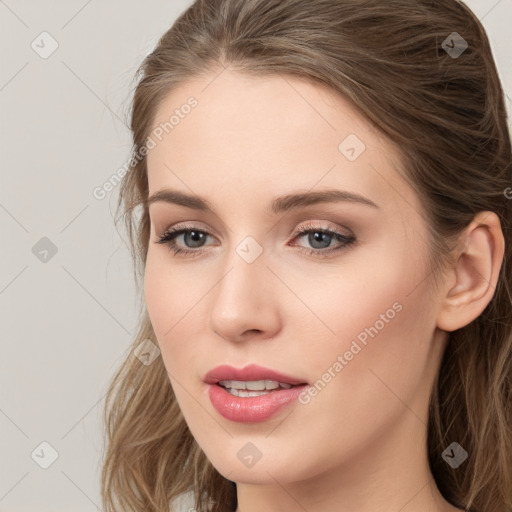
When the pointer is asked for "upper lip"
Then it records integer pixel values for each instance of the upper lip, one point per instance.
(248, 373)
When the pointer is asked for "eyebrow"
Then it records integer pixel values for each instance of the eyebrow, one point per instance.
(279, 204)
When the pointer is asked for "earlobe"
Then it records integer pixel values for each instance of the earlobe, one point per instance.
(474, 274)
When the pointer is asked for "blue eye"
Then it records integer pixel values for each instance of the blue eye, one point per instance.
(193, 236)
(320, 240)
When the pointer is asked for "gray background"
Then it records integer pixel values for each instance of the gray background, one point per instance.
(67, 319)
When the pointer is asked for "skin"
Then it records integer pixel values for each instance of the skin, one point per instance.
(360, 444)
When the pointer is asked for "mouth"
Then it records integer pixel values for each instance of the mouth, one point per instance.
(251, 394)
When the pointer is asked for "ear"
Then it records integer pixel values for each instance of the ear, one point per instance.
(471, 281)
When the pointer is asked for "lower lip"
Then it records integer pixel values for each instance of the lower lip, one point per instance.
(254, 408)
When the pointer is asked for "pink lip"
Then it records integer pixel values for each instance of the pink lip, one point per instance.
(249, 372)
(251, 409)
(256, 408)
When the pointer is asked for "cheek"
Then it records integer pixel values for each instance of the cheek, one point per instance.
(170, 292)
(167, 296)
(383, 319)
(175, 301)
(158, 293)
(375, 294)
(376, 315)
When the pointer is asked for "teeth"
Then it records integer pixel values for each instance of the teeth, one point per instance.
(245, 394)
(254, 385)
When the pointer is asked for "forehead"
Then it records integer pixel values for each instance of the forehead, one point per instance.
(268, 135)
(279, 110)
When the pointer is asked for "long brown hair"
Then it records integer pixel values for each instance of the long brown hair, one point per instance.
(400, 63)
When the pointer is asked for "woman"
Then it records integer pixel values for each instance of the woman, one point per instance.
(318, 207)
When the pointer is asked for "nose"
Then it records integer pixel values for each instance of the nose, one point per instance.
(245, 301)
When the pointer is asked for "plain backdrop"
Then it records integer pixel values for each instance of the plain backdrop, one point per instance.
(67, 298)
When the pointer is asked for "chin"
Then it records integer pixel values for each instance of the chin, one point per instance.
(261, 473)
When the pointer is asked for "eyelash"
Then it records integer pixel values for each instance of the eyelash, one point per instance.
(169, 236)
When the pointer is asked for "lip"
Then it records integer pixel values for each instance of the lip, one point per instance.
(251, 409)
(256, 408)
(249, 372)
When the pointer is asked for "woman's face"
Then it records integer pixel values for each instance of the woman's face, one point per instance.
(350, 309)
